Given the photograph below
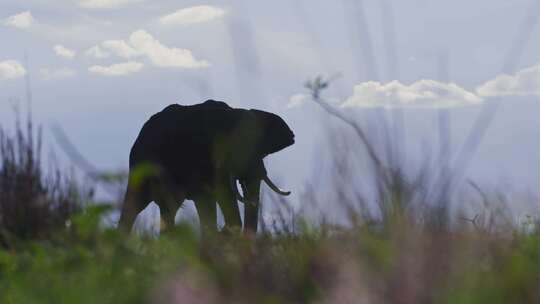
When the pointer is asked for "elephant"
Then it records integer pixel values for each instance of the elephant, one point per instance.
(200, 152)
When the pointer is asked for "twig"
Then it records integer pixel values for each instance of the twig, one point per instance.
(473, 221)
(316, 86)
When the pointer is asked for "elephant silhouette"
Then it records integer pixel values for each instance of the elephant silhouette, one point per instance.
(200, 152)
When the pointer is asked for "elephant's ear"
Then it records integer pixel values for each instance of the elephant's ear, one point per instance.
(241, 137)
(276, 134)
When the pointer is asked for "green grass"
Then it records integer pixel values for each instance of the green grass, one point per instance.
(402, 263)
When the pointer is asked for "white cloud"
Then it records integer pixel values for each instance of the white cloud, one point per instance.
(194, 14)
(524, 83)
(61, 73)
(105, 4)
(420, 94)
(162, 56)
(141, 43)
(22, 20)
(120, 48)
(297, 100)
(64, 52)
(120, 69)
(97, 52)
(11, 69)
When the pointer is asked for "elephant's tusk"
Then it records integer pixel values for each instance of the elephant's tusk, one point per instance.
(274, 187)
(239, 197)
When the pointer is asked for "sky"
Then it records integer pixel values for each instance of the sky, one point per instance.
(100, 68)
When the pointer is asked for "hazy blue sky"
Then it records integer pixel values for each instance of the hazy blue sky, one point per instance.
(101, 67)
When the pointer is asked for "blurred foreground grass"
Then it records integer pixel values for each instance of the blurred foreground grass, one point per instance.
(400, 263)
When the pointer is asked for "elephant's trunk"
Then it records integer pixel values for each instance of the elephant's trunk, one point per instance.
(272, 186)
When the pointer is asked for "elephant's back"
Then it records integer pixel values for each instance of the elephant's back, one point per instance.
(179, 141)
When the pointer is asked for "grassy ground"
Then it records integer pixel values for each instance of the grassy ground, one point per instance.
(402, 263)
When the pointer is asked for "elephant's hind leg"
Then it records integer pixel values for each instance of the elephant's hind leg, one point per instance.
(167, 210)
(135, 201)
(169, 199)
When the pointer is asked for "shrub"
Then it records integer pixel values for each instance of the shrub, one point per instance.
(33, 203)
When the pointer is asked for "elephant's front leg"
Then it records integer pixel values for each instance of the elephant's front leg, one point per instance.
(206, 207)
(251, 207)
(228, 204)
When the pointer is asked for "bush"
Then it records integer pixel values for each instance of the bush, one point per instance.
(33, 204)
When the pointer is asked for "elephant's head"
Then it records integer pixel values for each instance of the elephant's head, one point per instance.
(259, 134)
(276, 134)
